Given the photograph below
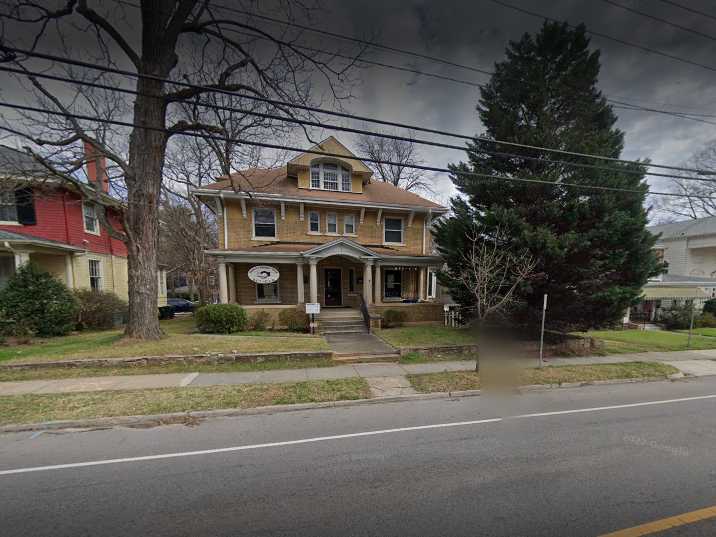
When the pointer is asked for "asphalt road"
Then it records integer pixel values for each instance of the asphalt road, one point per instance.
(561, 473)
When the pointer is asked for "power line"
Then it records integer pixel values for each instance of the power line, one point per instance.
(338, 155)
(689, 9)
(621, 105)
(643, 48)
(345, 115)
(659, 19)
(329, 126)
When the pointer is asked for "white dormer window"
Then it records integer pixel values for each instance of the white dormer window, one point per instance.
(330, 176)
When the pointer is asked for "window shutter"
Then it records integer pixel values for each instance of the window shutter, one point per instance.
(25, 207)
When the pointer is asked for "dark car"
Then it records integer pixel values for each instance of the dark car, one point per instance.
(180, 304)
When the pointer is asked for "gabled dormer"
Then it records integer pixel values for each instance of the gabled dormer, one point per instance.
(341, 173)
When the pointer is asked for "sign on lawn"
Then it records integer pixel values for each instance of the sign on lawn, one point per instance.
(313, 307)
(263, 274)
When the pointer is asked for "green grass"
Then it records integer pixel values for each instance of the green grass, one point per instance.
(470, 380)
(33, 408)
(180, 339)
(427, 336)
(420, 358)
(12, 375)
(709, 332)
(622, 341)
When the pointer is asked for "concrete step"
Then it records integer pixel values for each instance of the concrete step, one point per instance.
(339, 314)
(362, 330)
(342, 324)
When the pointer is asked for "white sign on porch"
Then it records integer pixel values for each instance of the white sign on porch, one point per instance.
(263, 274)
(313, 308)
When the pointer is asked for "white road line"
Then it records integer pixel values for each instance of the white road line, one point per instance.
(188, 379)
(343, 436)
(243, 448)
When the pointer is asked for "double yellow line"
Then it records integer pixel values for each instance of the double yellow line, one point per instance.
(665, 523)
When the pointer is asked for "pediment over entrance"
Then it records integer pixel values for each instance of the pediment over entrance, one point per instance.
(344, 247)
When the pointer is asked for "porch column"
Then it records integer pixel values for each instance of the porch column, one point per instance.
(69, 271)
(313, 280)
(299, 283)
(421, 283)
(223, 287)
(378, 288)
(21, 258)
(231, 283)
(368, 283)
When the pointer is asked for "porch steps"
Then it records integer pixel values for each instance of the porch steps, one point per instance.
(341, 321)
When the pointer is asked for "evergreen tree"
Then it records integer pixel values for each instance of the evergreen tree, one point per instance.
(593, 251)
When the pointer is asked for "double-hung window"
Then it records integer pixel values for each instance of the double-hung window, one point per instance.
(345, 179)
(8, 207)
(265, 223)
(95, 274)
(393, 230)
(314, 222)
(267, 293)
(332, 223)
(349, 224)
(89, 213)
(331, 176)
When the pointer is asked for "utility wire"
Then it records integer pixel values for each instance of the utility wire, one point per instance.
(659, 19)
(242, 141)
(643, 48)
(689, 9)
(329, 126)
(345, 115)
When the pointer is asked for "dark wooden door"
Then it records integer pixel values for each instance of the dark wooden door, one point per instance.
(333, 287)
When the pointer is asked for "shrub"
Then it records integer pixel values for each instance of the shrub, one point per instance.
(259, 320)
(678, 317)
(34, 299)
(166, 312)
(99, 309)
(707, 320)
(393, 318)
(710, 306)
(221, 318)
(294, 320)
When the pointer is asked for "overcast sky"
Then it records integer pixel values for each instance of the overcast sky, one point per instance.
(475, 33)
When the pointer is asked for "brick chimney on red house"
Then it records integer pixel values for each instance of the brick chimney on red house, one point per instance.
(96, 167)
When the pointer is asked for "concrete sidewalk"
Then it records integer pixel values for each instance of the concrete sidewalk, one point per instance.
(697, 363)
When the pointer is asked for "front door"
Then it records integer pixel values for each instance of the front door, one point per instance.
(333, 287)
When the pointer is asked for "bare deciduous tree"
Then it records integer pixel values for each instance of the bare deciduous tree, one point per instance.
(400, 152)
(171, 34)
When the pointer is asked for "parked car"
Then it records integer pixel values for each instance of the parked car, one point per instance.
(180, 304)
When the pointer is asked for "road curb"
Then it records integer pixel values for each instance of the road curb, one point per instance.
(193, 417)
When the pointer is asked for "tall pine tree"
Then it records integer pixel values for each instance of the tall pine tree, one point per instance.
(593, 251)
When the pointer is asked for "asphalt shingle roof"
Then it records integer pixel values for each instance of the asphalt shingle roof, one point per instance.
(686, 228)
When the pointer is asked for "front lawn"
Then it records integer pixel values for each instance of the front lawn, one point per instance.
(621, 341)
(427, 336)
(179, 339)
(470, 380)
(33, 408)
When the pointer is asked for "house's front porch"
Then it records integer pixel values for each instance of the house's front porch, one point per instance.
(340, 274)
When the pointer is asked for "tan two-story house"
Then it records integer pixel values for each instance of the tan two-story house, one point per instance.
(320, 230)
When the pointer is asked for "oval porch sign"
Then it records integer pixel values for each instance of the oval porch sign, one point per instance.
(263, 274)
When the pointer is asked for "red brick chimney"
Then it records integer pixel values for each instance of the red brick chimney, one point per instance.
(96, 167)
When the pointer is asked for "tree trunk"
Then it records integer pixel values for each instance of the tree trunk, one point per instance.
(146, 157)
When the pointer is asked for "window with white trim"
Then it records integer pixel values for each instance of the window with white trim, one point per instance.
(393, 230)
(265, 223)
(89, 213)
(314, 222)
(349, 224)
(331, 176)
(345, 179)
(95, 274)
(8, 207)
(432, 283)
(331, 223)
(267, 293)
